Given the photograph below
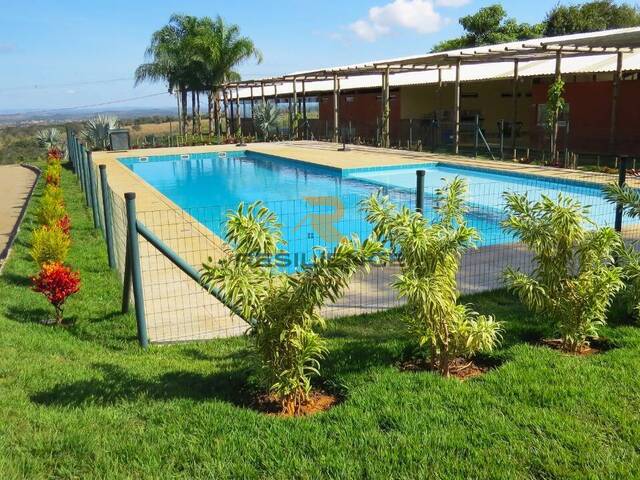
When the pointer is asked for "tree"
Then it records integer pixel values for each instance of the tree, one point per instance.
(590, 17)
(172, 60)
(283, 309)
(429, 257)
(220, 49)
(488, 26)
(574, 278)
(556, 105)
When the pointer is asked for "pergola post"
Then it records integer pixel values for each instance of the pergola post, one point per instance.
(295, 108)
(554, 133)
(262, 92)
(456, 109)
(514, 118)
(253, 123)
(304, 110)
(239, 119)
(232, 119)
(225, 107)
(386, 109)
(336, 117)
(614, 103)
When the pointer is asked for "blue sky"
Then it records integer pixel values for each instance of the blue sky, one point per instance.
(53, 53)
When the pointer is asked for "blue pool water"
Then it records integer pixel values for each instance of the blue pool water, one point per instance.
(318, 205)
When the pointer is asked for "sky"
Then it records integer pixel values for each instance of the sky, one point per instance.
(63, 54)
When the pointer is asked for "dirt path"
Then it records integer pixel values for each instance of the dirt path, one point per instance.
(16, 183)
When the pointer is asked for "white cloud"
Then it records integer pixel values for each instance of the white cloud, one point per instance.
(452, 3)
(417, 15)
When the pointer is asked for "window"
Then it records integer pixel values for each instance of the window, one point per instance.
(542, 115)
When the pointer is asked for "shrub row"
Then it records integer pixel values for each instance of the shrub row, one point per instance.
(51, 241)
(576, 273)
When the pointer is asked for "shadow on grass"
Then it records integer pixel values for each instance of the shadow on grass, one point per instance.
(119, 385)
(17, 280)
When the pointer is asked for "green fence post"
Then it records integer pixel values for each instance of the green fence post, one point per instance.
(71, 159)
(126, 289)
(85, 174)
(622, 179)
(79, 162)
(420, 190)
(76, 152)
(93, 192)
(136, 272)
(108, 222)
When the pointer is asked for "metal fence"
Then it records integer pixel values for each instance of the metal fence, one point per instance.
(158, 253)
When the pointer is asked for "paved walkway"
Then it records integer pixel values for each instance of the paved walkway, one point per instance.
(16, 183)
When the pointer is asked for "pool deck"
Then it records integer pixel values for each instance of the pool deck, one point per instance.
(177, 309)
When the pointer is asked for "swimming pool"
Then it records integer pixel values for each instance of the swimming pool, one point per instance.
(318, 205)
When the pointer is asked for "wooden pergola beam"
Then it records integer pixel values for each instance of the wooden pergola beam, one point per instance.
(336, 110)
(614, 102)
(456, 109)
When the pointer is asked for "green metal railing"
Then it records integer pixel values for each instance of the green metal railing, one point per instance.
(98, 198)
(121, 227)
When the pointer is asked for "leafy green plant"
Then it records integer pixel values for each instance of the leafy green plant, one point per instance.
(51, 208)
(53, 173)
(574, 279)
(49, 138)
(429, 255)
(49, 244)
(96, 130)
(556, 104)
(283, 309)
(628, 257)
(266, 118)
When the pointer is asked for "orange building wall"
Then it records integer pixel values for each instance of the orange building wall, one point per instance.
(590, 116)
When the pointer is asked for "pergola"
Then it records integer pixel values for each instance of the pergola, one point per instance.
(618, 42)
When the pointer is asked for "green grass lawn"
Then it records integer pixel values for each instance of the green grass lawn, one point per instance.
(86, 402)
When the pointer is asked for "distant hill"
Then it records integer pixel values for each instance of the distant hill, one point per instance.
(43, 117)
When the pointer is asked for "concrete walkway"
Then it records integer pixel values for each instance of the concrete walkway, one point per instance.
(16, 183)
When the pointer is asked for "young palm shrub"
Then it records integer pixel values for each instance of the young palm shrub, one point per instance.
(429, 254)
(628, 257)
(96, 130)
(266, 118)
(283, 309)
(49, 138)
(574, 279)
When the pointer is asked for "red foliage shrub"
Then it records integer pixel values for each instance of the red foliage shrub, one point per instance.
(55, 154)
(65, 224)
(56, 282)
(53, 179)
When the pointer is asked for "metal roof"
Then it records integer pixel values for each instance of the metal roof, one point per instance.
(581, 53)
(468, 73)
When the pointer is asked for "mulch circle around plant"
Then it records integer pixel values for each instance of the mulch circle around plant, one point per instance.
(461, 368)
(319, 401)
(594, 346)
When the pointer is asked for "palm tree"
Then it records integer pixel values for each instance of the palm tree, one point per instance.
(170, 56)
(220, 50)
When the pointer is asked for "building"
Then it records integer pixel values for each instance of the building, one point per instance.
(436, 100)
